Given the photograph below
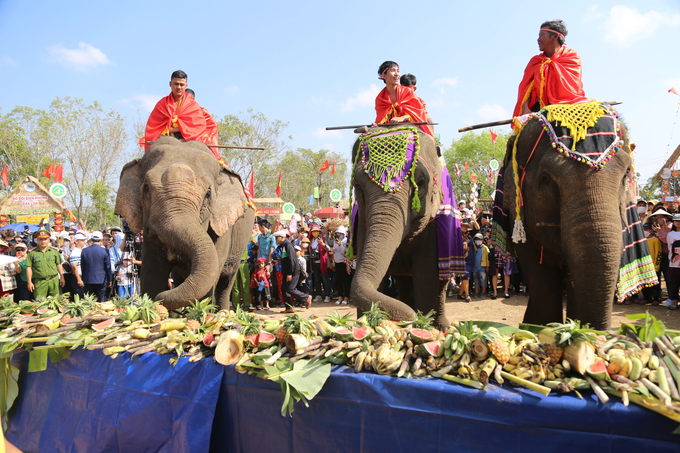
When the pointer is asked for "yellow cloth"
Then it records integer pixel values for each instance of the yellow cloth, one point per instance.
(655, 251)
(485, 256)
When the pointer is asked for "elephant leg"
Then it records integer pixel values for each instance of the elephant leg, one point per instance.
(430, 293)
(223, 292)
(155, 271)
(572, 304)
(545, 286)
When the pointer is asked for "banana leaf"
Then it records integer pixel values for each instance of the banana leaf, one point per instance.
(503, 329)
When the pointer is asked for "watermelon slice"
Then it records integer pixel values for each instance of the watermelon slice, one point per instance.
(266, 339)
(598, 370)
(343, 334)
(360, 333)
(431, 348)
(208, 339)
(103, 325)
(252, 340)
(419, 336)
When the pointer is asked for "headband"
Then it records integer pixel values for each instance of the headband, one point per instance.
(552, 31)
(383, 73)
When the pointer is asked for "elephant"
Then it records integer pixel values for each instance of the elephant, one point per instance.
(195, 219)
(573, 215)
(389, 236)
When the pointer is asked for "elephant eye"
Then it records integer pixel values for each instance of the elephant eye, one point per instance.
(208, 193)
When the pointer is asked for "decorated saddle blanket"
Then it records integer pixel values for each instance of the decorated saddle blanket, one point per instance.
(389, 158)
(589, 132)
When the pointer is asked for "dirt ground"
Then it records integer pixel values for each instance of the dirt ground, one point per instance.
(508, 311)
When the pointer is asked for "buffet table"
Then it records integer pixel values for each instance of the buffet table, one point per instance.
(91, 403)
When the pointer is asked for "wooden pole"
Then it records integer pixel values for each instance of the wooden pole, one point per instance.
(502, 122)
(669, 163)
(335, 128)
(220, 146)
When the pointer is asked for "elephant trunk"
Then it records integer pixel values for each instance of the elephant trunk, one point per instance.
(592, 244)
(383, 236)
(192, 242)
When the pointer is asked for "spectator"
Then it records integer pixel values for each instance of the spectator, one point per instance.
(259, 284)
(277, 280)
(342, 272)
(21, 292)
(43, 265)
(125, 276)
(290, 268)
(663, 227)
(481, 264)
(96, 267)
(265, 241)
(304, 245)
(240, 292)
(493, 267)
(8, 281)
(509, 269)
(652, 295)
(317, 252)
(77, 285)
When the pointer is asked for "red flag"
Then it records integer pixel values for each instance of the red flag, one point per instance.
(457, 171)
(494, 136)
(333, 171)
(49, 171)
(278, 187)
(4, 176)
(674, 91)
(324, 166)
(467, 166)
(142, 140)
(251, 185)
(59, 173)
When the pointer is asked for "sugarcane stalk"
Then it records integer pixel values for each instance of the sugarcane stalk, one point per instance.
(623, 380)
(144, 350)
(353, 352)
(23, 334)
(308, 348)
(335, 350)
(673, 369)
(63, 329)
(661, 378)
(469, 382)
(524, 383)
(667, 341)
(299, 356)
(270, 361)
(650, 403)
(320, 353)
(139, 345)
(352, 345)
(667, 351)
(672, 387)
(597, 389)
(405, 362)
(665, 398)
(34, 340)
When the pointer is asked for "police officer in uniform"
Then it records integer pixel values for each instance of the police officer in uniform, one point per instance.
(43, 266)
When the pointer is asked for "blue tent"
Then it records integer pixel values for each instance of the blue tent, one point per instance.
(19, 227)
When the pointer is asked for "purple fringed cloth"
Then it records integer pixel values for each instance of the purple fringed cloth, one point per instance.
(449, 235)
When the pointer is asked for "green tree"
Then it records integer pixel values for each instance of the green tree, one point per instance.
(300, 174)
(92, 144)
(254, 130)
(27, 143)
(102, 198)
(651, 190)
(477, 150)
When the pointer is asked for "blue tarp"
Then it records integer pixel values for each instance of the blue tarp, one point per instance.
(90, 403)
(19, 227)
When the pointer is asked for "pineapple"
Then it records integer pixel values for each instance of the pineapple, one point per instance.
(147, 310)
(162, 311)
(554, 353)
(569, 336)
(192, 324)
(250, 324)
(375, 316)
(295, 323)
(335, 320)
(500, 350)
(199, 310)
(75, 309)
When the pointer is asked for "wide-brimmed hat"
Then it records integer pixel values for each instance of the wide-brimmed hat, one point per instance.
(660, 212)
(315, 228)
(20, 245)
(479, 236)
(304, 240)
(676, 217)
(280, 234)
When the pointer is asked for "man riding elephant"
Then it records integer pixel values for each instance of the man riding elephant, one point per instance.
(553, 76)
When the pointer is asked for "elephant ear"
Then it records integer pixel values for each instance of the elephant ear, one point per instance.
(128, 199)
(230, 203)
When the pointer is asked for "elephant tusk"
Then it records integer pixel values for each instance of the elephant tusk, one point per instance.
(547, 224)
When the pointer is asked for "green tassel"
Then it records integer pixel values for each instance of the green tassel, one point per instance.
(350, 252)
(415, 205)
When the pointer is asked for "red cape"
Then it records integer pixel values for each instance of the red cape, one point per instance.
(407, 104)
(555, 80)
(190, 119)
(211, 135)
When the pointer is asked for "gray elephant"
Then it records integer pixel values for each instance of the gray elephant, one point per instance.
(392, 234)
(195, 218)
(573, 209)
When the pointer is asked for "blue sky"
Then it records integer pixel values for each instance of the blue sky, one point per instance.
(314, 64)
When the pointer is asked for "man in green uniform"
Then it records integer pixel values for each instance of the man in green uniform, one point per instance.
(241, 288)
(43, 265)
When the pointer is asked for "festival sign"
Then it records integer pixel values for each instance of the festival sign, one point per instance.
(31, 198)
(287, 211)
(58, 190)
(494, 165)
(473, 177)
(269, 211)
(335, 195)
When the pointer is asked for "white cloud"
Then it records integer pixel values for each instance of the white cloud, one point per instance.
(327, 135)
(7, 61)
(83, 58)
(594, 13)
(365, 98)
(626, 25)
(445, 82)
(492, 112)
(145, 101)
(232, 90)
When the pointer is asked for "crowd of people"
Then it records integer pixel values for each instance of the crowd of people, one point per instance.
(295, 266)
(48, 263)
